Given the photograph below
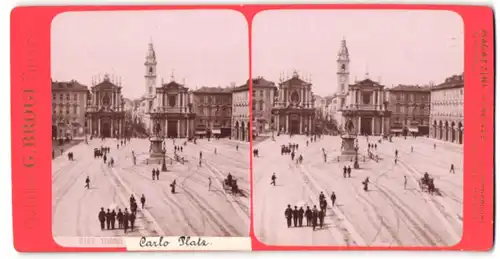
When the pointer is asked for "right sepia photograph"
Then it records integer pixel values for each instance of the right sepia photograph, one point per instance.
(358, 128)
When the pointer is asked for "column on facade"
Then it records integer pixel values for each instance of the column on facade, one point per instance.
(359, 125)
(113, 127)
(311, 124)
(165, 129)
(119, 128)
(381, 100)
(301, 124)
(99, 127)
(277, 123)
(286, 123)
(373, 125)
(89, 126)
(382, 124)
(178, 128)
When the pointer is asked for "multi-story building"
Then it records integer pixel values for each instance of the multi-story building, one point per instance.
(69, 103)
(262, 105)
(105, 109)
(293, 110)
(241, 113)
(410, 109)
(367, 108)
(213, 109)
(447, 110)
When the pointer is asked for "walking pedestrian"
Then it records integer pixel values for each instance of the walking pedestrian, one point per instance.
(102, 218)
(113, 219)
(349, 171)
(209, 183)
(452, 168)
(314, 217)
(333, 197)
(308, 215)
(132, 221)
(108, 219)
(125, 220)
(119, 217)
(295, 216)
(87, 183)
(301, 216)
(405, 182)
(288, 216)
(273, 179)
(143, 201)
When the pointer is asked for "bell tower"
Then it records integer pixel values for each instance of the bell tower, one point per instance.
(343, 68)
(150, 74)
(342, 75)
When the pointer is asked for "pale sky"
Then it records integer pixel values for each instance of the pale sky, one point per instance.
(207, 48)
(399, 47)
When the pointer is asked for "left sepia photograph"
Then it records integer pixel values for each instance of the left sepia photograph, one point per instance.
(150, 124)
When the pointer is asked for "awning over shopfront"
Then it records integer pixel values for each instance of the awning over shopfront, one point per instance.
(415, 130)
(397, 130)
(216, 131)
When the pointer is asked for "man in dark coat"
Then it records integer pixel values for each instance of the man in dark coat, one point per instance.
(113, 219)
(143, 201)
(288, 216)
(273, 179)
(345, 171)
(153, 174)
(119, 217)
(349, 171)
(301, 216)
(131, 199)
(308, 216)
(295, 216)
(108, 219)
(125, 220)
(321, 217)
(131, 217)
(333, 197)
(314, 217)
(102, 218)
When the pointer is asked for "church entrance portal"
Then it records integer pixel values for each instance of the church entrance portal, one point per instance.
(105, 128)
(294, 124)
(172, 129)
(366, 126)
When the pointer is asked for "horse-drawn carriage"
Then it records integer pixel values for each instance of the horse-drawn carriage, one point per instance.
(427, 184)
(230, 184)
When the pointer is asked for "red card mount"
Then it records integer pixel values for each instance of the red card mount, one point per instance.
(292, 120)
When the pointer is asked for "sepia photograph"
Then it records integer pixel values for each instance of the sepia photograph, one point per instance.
(150, 124)
(358, 127)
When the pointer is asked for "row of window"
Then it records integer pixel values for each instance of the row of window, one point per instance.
(65, 109)
(216, 100)
(61, 96)
(412, 97)
(447, 94)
